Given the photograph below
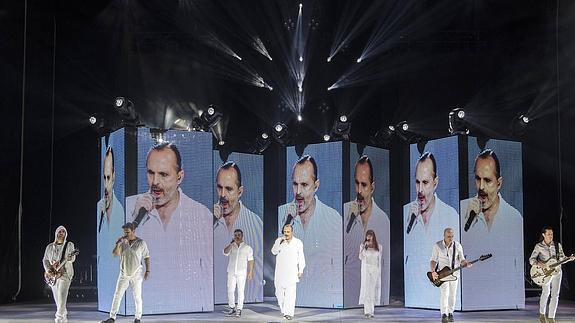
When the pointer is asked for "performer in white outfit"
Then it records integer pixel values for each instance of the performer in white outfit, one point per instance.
(360, 215)
(231, 214)
(543, 251)
(317, 225)
(370, 254)
(132, 250)
(53, 256)
(290, 263)
(447, 253)
(240, 267)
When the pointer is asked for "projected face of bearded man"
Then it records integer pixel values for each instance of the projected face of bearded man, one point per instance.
(304, 184)
(364, 186)
(164, 177)
(109, 179)
(488, 183)
(229, 191)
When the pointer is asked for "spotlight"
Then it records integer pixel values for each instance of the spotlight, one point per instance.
(524, 119)
(265, 135)
(211, 118)
(341, 127)
(359, 60)
(329, 59)
(300, 5)
(221, 143)
(383, 136)
(299, 118)
(301, 59)
(326, 137)
(457, 123)
(331, 87)
(261, 143)
(405, 127)
(92, 120)
(299, 88)
(280, 133)
(279, 127)
(126, 110)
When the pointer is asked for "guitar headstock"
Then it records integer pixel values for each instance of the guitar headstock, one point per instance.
(75, 252)
(485, 257)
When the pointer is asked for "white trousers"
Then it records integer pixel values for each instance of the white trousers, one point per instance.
(368, 306)
(286, 298)
(60, 294)
(239, 280)
(552, 288)
(448, 292)
(135, 283)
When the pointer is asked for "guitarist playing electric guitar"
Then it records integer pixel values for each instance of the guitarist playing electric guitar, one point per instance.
(546, 260)
(56, 252)
(446, 253)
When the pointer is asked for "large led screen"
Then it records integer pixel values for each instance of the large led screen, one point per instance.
(314, 201)
(367, 208)
(433, 204)
(238, 204)
(174, 175)
(492, 223)
(110, 216)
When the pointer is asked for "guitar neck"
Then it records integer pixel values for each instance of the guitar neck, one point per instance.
(559, 263)
(460, 267)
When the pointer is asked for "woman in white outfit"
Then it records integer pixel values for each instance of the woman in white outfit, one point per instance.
(370, 256)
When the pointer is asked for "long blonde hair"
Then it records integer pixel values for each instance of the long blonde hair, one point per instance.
(375, 244)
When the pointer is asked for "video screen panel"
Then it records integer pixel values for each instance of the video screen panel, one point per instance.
(434, 200)
(314, 201)
(492, 223)
(178, 229)
(110, 216)
(367, 208)
(238, 205)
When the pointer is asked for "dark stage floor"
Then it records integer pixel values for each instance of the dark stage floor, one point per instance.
(268, 312)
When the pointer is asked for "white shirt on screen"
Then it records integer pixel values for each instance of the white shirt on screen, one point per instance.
(379, 223)
(323, 248)
(419, 292)
(182, 267)
(497, 283)
(252, 226)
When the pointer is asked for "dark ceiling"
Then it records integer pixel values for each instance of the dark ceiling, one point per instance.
(173, 58)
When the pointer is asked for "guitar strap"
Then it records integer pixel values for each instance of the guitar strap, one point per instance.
(556, 250)
(453, 256)
(63, 252)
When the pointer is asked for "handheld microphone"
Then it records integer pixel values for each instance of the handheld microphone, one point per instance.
(350, 223)
(472, 216)
(411, 221)
(141, 213)
(101, 220)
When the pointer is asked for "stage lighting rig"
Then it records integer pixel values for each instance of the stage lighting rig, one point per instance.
(210, 117)
(280, 133)
(261, 143)
(127, 111)
(457, 122)
(157, 135)
(383, 136)
(341, 127)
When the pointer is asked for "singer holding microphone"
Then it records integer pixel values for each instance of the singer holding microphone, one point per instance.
(491, 225)
(175, 227)
(290, 263)
(370, 254)
(240, 268)
(360, 215)
(131, 250)
(424, 220)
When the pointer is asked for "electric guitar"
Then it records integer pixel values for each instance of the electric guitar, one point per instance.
(57, 269)
(542, 275)
(446, 274)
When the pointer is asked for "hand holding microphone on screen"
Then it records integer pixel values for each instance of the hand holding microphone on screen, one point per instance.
(414, 210)
(353, 212)
(473, 209)
(144, 204)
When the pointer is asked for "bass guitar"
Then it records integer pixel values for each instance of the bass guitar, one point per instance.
(542, 275)
(446, 274)
(57, 269)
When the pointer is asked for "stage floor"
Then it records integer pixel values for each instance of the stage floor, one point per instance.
(268, 312)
